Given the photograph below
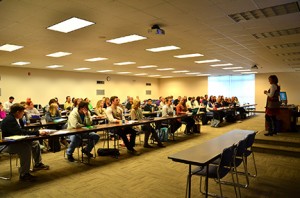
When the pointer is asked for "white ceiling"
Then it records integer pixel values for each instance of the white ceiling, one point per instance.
(196, 26)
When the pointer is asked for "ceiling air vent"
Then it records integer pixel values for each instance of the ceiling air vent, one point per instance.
(148, 92)
(100, 82)
(277, 33)
(148, 84)
(286, 45)
(277, 10)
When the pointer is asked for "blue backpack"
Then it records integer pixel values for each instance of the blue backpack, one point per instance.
(163, 134)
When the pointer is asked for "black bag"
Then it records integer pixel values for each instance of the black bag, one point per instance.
(54, 144)
(108, 152)
(197, 128)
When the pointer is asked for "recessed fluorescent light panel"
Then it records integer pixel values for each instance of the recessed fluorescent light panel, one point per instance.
(165, 69)
(21, 63)
(242, 70)
(146, 66)
(188, 55)
(54, 66)
(154, 75)
(82, 68)
(193, 73)
(59, 54)
(208, 61)
(181, 71)
(165, 48)
(232, 68)
(221, 65)
(204, 75)
(95, 59)
(141, 74)
(70, 25)
(10, 48)
(123, 72)
(126, 39)
(248, 72)
(166, 77)
(103, 71)
(125, 63)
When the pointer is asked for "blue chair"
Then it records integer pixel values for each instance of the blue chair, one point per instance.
(217, 171)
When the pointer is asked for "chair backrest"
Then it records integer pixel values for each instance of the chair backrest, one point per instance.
(227, 156)
(250, 140)
(240, 148)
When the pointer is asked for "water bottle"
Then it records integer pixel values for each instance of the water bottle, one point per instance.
(174, 113)
(123, 119)
(24, 120)
(157, 114)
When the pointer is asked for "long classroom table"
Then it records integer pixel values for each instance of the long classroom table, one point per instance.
(203, 154)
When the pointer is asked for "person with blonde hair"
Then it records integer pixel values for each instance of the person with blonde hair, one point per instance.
(99, 110)
(136, 114)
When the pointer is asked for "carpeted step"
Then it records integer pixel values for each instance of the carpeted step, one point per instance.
(277, 149)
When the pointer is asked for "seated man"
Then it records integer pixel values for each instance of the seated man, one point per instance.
(114, 113)
(167, 110)
(78, 118)
(13, 125)
(149, 106)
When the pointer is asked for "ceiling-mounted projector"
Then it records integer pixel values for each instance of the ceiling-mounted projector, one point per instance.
(156, 30)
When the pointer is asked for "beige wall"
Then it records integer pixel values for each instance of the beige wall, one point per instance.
(43, 85)
(288, 82)
(199, 86)
(191, 86)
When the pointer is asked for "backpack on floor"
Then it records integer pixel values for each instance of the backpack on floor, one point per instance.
(163, 134)
(108, 152)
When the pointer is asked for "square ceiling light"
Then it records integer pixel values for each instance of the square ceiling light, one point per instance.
(82, 69)
(21, 63)
(165, 48)
(58, 54)
(95, 59)
(141, 74)
(54, 66)
(146, 66)
(188, 55)
(104, 71)
(221, 65)
(126, 39)
(10, 48)
(208, 61)
(70, 25)
(165, 69)
(125, 63)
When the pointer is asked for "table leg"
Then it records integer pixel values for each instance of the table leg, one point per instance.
(206, 181)
(189, 181)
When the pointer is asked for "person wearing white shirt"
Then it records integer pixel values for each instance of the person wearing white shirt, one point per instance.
(8, 104)
(115, 114)
(168, 110)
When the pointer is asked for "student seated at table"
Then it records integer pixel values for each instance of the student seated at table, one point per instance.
(31, 110)
(115, 114)
(2, 112)
(167, 110)
(149, 106)
(137, 114)
(181, 109)
(68, 104)
(99, 110)
(78, 118)
(52, 115)
(13, 125)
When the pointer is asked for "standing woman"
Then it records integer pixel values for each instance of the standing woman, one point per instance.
(273, 105)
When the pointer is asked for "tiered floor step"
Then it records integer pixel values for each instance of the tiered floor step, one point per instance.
(287, 144)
